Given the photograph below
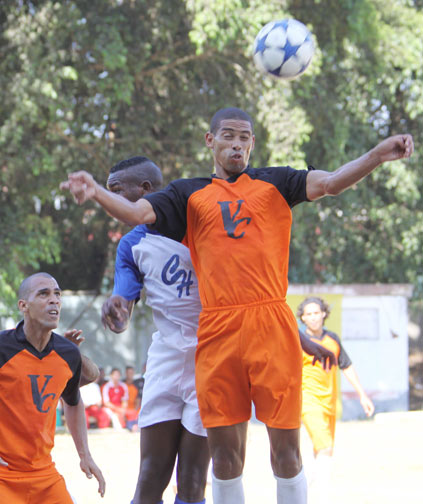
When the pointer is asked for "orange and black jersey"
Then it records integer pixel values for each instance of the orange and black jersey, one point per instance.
(238, 231)
(31, 384)
(319, 386)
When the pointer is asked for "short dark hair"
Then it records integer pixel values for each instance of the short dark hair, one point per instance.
(319, 301)
(229, 113)
(25, 287)
(147, 170)
(127, 163)
(115, 369)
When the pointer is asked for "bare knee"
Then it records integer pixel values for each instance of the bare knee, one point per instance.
(154, 475)
(286, 462)
(227, 463)
(285, 452)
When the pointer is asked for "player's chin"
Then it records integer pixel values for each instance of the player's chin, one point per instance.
(236, 166)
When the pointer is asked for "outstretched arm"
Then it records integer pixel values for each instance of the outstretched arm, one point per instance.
(83, 187)
(116, 313)
(366, 402)
(321, 183)
(75, 420)
(326, 358)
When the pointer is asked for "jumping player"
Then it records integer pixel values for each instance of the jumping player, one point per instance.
(37, 367)
(170, 420)
(320, 392)
(237, 226)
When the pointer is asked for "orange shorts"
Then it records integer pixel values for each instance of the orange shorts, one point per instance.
(320, 426)
(249, 353)
(34, 487)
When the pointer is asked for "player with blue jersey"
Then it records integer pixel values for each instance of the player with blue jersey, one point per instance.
(169, 419)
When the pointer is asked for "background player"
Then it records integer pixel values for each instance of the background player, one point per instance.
(37, 367)
(320, 392)
(237, 226)
(170, 421)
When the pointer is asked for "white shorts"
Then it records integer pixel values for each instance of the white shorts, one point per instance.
(169, 388)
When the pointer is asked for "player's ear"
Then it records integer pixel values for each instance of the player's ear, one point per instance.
(253, 142)
(147, 186)
(22, 305)
(209, 137)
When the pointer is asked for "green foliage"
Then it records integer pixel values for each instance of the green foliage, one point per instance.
(84, 84)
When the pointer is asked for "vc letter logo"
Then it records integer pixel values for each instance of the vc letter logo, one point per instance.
(230, 222)
(37, 395)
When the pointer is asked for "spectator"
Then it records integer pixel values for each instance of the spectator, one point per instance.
(93, 402)
(134, 401)
(115, 400)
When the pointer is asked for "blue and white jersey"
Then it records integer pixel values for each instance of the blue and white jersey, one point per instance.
(146, 259)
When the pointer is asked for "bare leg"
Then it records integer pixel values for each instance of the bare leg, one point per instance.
(227, 447)
(193, 463)
(159, 446)
(287, 466)
(285, 452)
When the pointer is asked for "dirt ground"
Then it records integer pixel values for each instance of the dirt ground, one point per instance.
(377, 461)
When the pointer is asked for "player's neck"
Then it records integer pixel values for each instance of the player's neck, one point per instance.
(37, 335)
(223, 173)
(318, 333)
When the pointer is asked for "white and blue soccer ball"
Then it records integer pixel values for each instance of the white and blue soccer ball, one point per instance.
(283, 48)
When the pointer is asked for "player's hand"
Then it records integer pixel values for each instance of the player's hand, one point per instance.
(74, 335)
(395, 147)
(368, 406)
(115, 313)
(321, 354)
(82, 186)
(90, 468)
(3, 462)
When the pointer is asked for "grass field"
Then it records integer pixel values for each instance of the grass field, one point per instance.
(378, 461)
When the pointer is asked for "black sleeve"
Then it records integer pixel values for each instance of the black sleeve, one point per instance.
(292, 184)
(344, 360)
(289, 182)
(170, 207)
(71, 394)
(71, 354)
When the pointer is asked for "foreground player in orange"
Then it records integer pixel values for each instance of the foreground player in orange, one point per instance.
(237, 226)
(320, 392)
(37, 367)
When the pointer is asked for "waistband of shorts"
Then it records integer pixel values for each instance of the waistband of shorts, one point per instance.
(211, 309)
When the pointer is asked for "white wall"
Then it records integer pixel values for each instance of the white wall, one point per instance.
(374, 333)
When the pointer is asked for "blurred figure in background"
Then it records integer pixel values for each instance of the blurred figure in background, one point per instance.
(320, 392)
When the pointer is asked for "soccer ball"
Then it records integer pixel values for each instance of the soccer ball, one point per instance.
(283, 48)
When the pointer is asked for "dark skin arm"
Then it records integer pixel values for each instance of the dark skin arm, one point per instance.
(326, 358)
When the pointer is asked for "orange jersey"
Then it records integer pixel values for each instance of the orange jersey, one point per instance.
(319, 386)
(31, 384)
(238, 231)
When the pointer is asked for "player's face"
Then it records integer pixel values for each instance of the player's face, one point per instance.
(43, 304)
(115, 377)
(313, 317)
(123, 183)
(231, 146)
